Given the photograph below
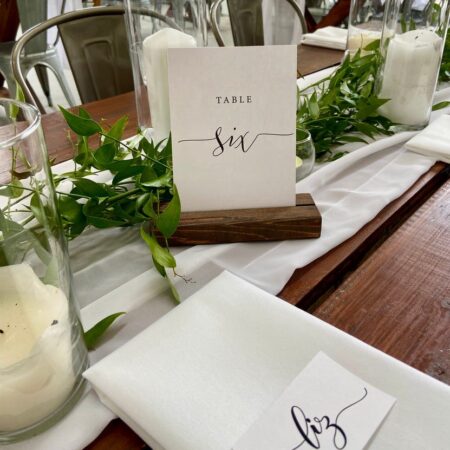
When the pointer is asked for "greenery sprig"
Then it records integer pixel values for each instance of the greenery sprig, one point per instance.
(444, 73)
(342, 107)
(141, 190)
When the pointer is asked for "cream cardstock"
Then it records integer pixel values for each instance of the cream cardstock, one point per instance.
(233, 117)
(326, 407)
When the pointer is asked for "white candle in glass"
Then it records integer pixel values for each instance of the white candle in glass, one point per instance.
(155, 49)
(359, 38)
(410, 75)
(36, 374)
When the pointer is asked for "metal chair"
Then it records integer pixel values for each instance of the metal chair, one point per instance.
(97, 48)
(247, 21)
(37, 54)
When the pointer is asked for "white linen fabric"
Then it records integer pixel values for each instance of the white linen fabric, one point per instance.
(349, 192)
(434, 141)
(202, 375)
(329, 37)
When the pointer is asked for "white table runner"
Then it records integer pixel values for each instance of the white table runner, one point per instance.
(348, 192)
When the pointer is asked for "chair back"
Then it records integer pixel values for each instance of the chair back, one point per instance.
(97, 48)
(98, 54)
(32, 12)
(247, 21)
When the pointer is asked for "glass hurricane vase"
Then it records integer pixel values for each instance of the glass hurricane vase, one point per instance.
(411, 51)
(305, 154)
(42, 354)
(365, 23)
(154, 26)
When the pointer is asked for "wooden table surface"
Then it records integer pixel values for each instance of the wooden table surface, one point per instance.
(388, 285)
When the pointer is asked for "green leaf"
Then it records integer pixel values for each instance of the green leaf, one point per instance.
(173, 290)
(90, 188)
(93, 335)
(36, 208)
(127, 173)
(148, 175)
(13, 108)
(440, 105)
(102, 222)
(352, 139)
(374, 45)
(105, 154)
(148, 208)
(83, 113)
(116, 131)
(69, 209)
(162, 181)
(161, 255)
(314, 106)
(80, 125)
(167, 221)
(15, 188)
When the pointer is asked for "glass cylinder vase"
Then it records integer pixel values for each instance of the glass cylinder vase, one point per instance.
(411, 51)
(365, 23)
(42, 353)
(154, 26)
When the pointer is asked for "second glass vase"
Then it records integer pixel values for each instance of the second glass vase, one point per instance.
(153, 26)
(411, 51)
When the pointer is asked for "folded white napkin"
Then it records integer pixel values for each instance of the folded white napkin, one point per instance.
(201, 375)
(329, 37)
(434, 140)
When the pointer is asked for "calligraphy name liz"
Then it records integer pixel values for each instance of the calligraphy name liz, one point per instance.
(243, 141)
(312, 430)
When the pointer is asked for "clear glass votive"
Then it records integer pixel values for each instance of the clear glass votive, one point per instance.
(305, 154)
(42, 353)
(411, 51)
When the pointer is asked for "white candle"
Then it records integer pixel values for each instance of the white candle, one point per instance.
(36, 374)
(155, 49)
(359, 38)
(409, 76)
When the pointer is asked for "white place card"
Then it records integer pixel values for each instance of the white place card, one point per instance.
(325, 407)
(233, 117)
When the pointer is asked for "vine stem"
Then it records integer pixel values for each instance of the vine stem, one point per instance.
(131, 149)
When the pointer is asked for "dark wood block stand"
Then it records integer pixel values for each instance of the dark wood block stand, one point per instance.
(248, 225)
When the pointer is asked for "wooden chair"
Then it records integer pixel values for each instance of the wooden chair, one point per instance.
(246, 20)
(97, 48)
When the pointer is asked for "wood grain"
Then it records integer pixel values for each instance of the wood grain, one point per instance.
(249, 225)
(311, 59)
(398, 299)
(118, 436)
(308, 284)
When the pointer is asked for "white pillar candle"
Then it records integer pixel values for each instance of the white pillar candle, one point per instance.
(155, 49)
(359, 38)
(409, 76)
(36, 374)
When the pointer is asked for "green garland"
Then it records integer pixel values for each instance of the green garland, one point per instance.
(444, 73)
(342, 107)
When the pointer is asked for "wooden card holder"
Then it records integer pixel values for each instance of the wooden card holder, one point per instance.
(246, 225)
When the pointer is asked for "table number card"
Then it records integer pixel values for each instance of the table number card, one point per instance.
(233, 117)
(325, 407)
